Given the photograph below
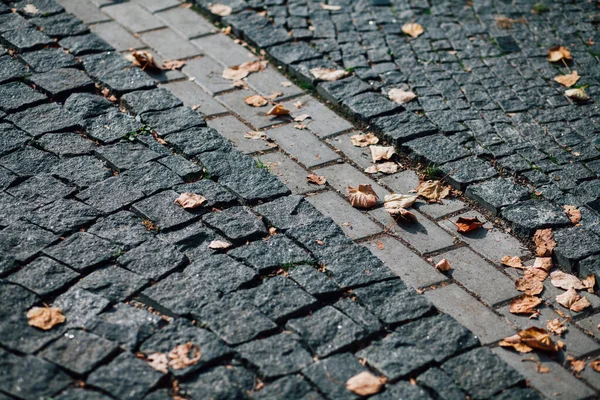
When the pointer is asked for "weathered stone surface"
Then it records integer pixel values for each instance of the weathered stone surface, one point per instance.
(113, 283)
(162, 210)
(287, 212)
(173, 120)
(467, 171)
(17, 95)
(370, 105)
(254, 185)
(123, 227)
(40, 190)
(338, 91)
(330, 375)
(80, 306)
(43, 276)
(574, 244)
(436, 149)
(22, 240)
(153, 259)
(590, 265)
(85, 44)
(60, 82)
(215, 194)
(121, 156)
(43, 119)
(238, 224)
(81, 171)
(289, 387)
(221, 272)
(496, 194)
(403, 390)
(221, 383)
(26, 39)
(83, 250)
(276, 251)
(63, 216)
(60, 25)
(313, 281)
(439, 382)
(531, 215)
(11, 69)
(150, 100)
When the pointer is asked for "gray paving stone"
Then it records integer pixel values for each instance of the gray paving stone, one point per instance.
(269, 81)
(153, 259)
(224, 50)
(133, 17)
(123, 155)
(162, 210)
(192, 95)
(496, 194)
(255, 116)
(82, 250)
(26, 39)
(81, 394)
(531, 215)
(222, 272)
(221, 383)
(44, 118)
(302, 145)
(207, 73)
(11, 69)
(173, 120)
(84, 10)
(454, 301)
(157, 5)
(437, 210)
(338, 91)
(411, 268)
(81, 306)
(17, 95)
(574, 244)
(354, 223)
(313, 281)
(66, 144)
(467, 171)
(169, 44)
(60, 25)
(237, 224)
(323, 122)
(340, 176)
(370, 105)
(401, 182)
(330, 375)
(63, 216)
(86, 44)
(123, 227)
(291, 386)
(43, 276)
(437, 149)
(117, 36)
(39, 161)
(12, 138)
(40, 190)
(233, 129)
(438, 381)
(185, 22)
(361, 156)
(288, 172)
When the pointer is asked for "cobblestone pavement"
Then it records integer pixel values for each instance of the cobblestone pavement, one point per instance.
(88, 225)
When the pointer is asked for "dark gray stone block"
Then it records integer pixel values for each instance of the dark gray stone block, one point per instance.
(574, 244)
(370, 105)
(81, 171)
(497, 193)
(338, 91)
(22, 240)
(83, 250)
(330, 375)
(162, 210)
(238, 224)
(123, 155)
(85, 44)
(531, 215)
(150, 100)
(312, 280)
(66, 144)
(63, 216)
(80, 306)
(221, 272)
(403, 390)
(11, 69)
(124, 228)
(60, 25)
(276, 251)
(111, 126)
(288, 212)
(44, 119)
(436, 149)
(221, 383)
(26, 39)
(59, 83)
(113, 283)
(43, 276)
(153, 259)
(288, 387)
(17, 95)
(462, 173)
(173, 120)
(215, 194)
(40, 190)
(194, 141)
(439, 382)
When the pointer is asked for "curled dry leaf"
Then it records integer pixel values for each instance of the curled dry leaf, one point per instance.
(525, 304)
(364, 140)
(159, 362)
(465, 225)
(400, 96)
(538, 338)
(543, 263)
(256, 101)
(300, 126)
(530, 285)
(515, 342)
(557, 327)
(567, 80)
(241, 71)
(254, 135)
(173, 64)
(443, 265)
(45, 318)
(595, 365)
(576, 365)
(329, 74)
(535, 273)
(382, 152)
(386, 168)
(143, 59)
(362, 197)
(512, 261)
(558, 53)
(573, 300)
(184, 355)
(219, 244)
(301, 118)
(31, 9)
(278, 110)
(190, 200)
(330, 7)
(544, 242)
(316, 179)
(433, 190)
(573, 213)
(579, 95)
(566, 281)
(365, 383)
(401, 200)
(221, 10)
(412, 29)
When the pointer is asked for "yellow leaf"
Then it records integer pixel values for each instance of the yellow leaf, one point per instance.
(400, 96)
(329, 74)
(412, 29)
(538, 338)
(567, 80)
(365, 384)
(362, 197)
(45, 318)
(190, 200)
(514, 341)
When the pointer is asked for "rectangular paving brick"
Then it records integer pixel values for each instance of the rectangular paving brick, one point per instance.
(323, 121)
(302, 145)
(186, 22)
(269, 81)
(361, 156)
(157, 5)
(467, 310)
(133, 17)
(234, 130)
(591, 324)
(223, 49)
(354, 223)
(193, 95)
(207, 73)
(255, 116)
(117, 36)
(492, 244)
(424, 235)
(403, 261)
(437, 210)
(478, 276)
(558, 384)
(84, 10)
(289, 172)
(169, 44)
(401, 182)
(340, 176)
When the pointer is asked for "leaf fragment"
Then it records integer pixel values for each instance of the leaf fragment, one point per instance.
(566, 281)
(544, 241)
(45, 318)
(184, 355)
(365, 383)
(567, 80)
(468, 224)
(530, 285)
(573, 213)
(316, 179)
(219, 244)
(556, 326)
(173, 64)
(595, 365)
(274, 95)
(433, 190)
(330, 7)
(221, 10)
(31, 9)
(543, 263)
(301, 118)
(143, 59)
(362, 197)
(538, 338)
(159, 362)
(401, 96)
(189, 200)
(254, 135)
(364, 140)
(514, 341)
(443, 265)
(286, 84)
(525, 304)
(573, 300)
(512, 261)
(241, 71)
(412, 29)
(329, 74)
(256, 101)
(382, 152)
(401, 200)
(557, 53)
(278, 110)
(386, 168)
(579, 95)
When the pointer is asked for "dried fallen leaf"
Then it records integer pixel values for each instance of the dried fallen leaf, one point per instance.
(400, 96)
(278, 110)
(543, 263)
(412, 29)
(567, 80)
(573, 213)
(557, 327)
(579, 95)
(529, 285)
(254, 135)
(329, 74)
(512, 261)
(45, 318)
(274, 95)
(433, 190)
(542, 369)
(401, 200)
(362, 197)
(535, 273)
(173, 64)
(256, 101)
(386, 168)
(538, 338)
(468, 224)
(221, 10)
(565, 281)
(382, 152)
(159, 362)
(190, 200)
(143, 59)
(329, 7)
(31, 9)
(558, 53)
(595, 365)
(515, 342)
(286, 84)
(298, 104)
(576, 365)
(443, 265)
(316, 179)
(301, 118)
(544, 241)
(219, 244)
(589, 283)
(525, 304)
(364, 140)
(184, 355)
(365, 383)
(300, 126)
(573, 300)
(241, 71)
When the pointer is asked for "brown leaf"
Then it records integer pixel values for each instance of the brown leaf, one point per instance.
(556, 327)
(399, 201)
(386, 168)
(380, 245)
(298, 104)
(301, 118)
(330, 7)
(412, 29)
(512, 261)
(256, 101)
(573, 213)
(579, 95)
(538, 338)
(573, 300)
(254, 135)
(241, 71)
(45, 318)
(567, 80)
(565, 281)
(184, 355)
(514, 341)
(278, 110)
(433, 190)
(530, 285)
(365, 383)
(143, 59)
(443, 265)
(465, 225)
(219, 244)
(543, 263)
(173, 64)
(362, 197)
(558, 53)
(382, 152)
(525, 304)
(364, 140)
(190, 200)
(316, 179)
(576, 365)
(544, 241)
(300, 126)
(400, 96)
(589, 283)
(221, 10)
(329, 74)
(595, 365)
(159, 362)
